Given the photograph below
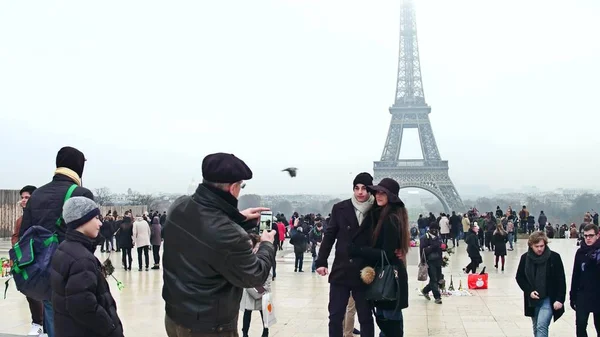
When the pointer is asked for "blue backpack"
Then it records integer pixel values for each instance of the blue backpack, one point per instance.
(32, 258)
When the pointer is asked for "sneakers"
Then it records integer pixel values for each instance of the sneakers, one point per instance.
(36, 330)
(438, 301)
(156, 267)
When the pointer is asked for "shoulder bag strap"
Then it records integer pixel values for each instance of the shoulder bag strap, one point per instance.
(67, 197)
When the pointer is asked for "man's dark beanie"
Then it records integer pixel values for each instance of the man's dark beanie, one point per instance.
(363, 178)
(225, 168)
(71, 158)
(29, 189)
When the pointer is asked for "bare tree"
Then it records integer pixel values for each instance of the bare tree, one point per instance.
(140, 199)
(103, 196)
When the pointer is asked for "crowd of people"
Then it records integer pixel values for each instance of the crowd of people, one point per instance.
(216, 261)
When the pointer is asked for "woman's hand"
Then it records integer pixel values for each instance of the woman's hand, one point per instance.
(557, 305)
(535, 295)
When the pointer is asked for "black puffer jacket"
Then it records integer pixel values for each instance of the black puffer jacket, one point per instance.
(83, 305)
(208, 261)
(46, 203)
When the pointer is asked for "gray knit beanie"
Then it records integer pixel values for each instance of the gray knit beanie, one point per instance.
(78, 211)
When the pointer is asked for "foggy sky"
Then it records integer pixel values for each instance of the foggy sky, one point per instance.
(147, 88)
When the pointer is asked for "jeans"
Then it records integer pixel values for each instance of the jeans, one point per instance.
(108, 241)
(175, 330)
(391, 324)
(422, 231)
(511, 237)
(298, 262)
(435, 274)
(156, 254)
(126, 257)
(541, 318)
(146, 257)
(48, 318)
(338, 303)
(248, 318)
(581, 321)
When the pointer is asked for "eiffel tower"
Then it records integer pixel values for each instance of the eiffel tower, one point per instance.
(411, 111)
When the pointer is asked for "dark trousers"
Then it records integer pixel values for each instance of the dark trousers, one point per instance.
(156, 254)
(125, 257)
(581, 321)
(108, 240)
(248, 318)
(435, 274)
(175, 330)
(146, 257)
(37, 311)
(338, 301)
(298, 262)
(274, 267)
(488, 240)
(472, 267)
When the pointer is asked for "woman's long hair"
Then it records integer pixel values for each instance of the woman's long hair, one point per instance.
(398, 216)
(500, 229)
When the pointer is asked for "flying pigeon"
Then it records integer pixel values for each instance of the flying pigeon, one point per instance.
(291, 171)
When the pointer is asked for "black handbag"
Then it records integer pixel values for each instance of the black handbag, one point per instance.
(385, 286)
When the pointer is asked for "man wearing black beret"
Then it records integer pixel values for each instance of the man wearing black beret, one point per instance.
(208, 259)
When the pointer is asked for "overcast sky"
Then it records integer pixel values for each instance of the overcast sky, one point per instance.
(147, 88)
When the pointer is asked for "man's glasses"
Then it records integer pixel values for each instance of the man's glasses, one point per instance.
(589, 236)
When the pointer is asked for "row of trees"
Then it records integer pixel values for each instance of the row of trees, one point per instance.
(286, 207)
(556, 212)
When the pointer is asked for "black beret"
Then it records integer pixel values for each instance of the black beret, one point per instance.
(225, 168)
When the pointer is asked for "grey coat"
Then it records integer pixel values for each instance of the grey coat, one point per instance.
(248, 302)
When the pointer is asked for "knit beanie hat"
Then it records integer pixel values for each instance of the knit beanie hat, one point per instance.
(71, 158)
(363, 178)
(78, 211)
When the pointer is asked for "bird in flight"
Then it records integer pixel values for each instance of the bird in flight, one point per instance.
(291, 171)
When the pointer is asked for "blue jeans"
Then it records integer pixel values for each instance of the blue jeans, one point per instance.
(48, 319)
(511, 237)
(396, 317)
(422, 231)
(541, 318)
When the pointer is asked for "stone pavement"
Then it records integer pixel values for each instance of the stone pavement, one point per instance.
(301, 301)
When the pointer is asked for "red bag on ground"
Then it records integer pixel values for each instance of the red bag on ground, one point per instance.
(478, 281)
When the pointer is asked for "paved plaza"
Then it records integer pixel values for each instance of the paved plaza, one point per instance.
(301, 301)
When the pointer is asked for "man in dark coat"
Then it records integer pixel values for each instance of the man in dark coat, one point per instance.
(208, 258)
(44, 208)
(83, 305)
(430, 248)
(455, 229)
(585, 294)
(350, 223)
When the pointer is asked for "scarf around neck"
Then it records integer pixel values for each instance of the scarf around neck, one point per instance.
(67, 172)
(361, 208)
(536, 268)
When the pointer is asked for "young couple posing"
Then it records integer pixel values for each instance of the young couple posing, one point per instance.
(373, 221)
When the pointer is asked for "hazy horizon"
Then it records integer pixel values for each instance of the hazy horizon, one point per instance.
(147, 89)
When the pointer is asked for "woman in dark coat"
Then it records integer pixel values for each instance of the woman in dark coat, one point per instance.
(541, 276)
(499, 240)
(83, 305)
(391, 237)
(126, 242)
(473, 249)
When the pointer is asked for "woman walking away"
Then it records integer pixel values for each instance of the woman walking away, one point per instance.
(156, 240)
(141, 239)
(391, 237)
(541, 276)
(473, 249)
(124, 235)
(510, 229)
(83, 305)
(252, 297)
(499, 240)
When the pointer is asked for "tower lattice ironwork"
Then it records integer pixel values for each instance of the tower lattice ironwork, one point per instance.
(410, 111)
